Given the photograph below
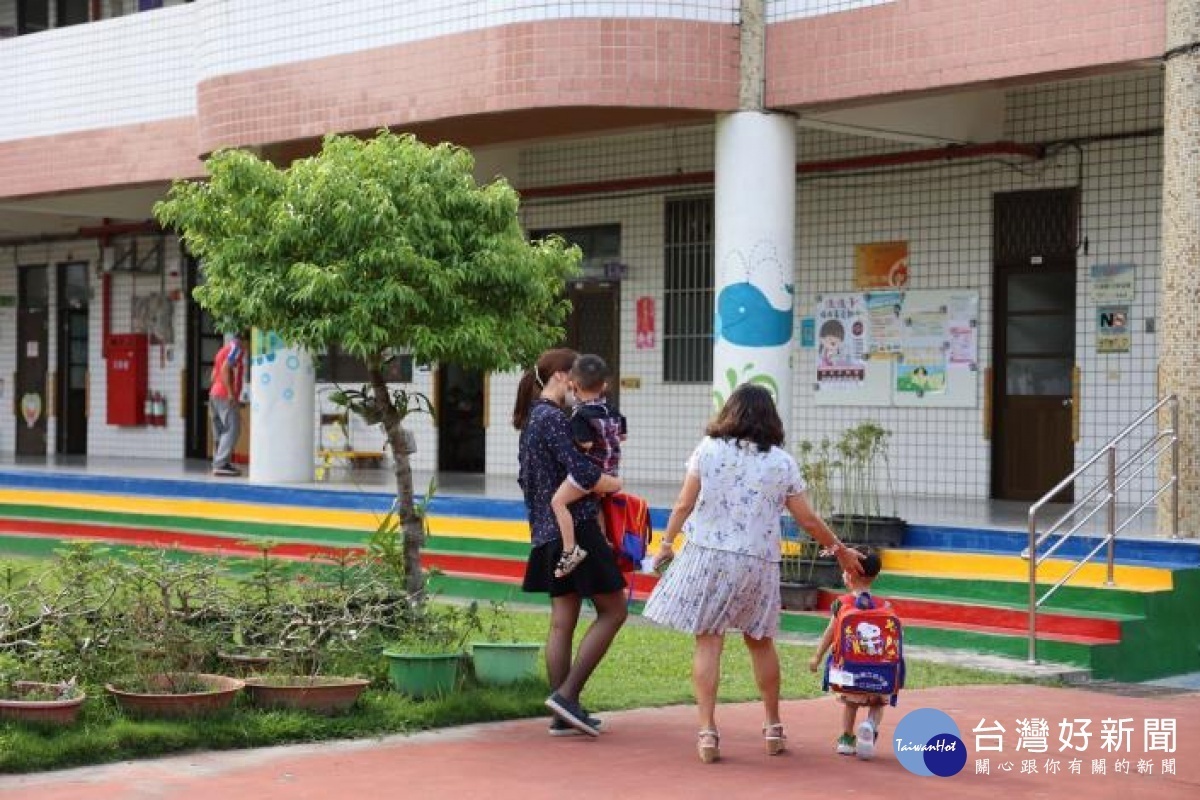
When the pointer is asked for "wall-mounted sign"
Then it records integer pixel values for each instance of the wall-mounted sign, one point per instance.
(1113, 284)
(645, 323)
(1112, 329)
(881, 265)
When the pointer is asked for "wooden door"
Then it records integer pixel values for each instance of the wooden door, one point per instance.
(29, 393)
(1034, 343)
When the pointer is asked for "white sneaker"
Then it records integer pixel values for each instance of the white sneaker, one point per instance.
(865, 739)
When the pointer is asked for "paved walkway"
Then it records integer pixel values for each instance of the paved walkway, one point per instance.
(649, 753)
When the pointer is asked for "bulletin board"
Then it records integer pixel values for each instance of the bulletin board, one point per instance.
(911, 349)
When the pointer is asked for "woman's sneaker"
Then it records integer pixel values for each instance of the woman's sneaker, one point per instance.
(572, 713)
(560, 727)
(865, 741)
(845, 745)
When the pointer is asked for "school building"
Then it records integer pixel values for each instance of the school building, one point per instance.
(974, 222)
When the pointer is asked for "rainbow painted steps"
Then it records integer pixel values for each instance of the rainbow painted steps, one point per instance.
(956, 588)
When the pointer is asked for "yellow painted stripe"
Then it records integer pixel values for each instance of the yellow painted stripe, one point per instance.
(1013, 568)
(471, 527)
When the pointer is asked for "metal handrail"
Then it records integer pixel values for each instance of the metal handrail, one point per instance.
(1108, 492)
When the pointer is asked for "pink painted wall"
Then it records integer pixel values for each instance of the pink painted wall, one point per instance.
(592, 62)
(918, 45)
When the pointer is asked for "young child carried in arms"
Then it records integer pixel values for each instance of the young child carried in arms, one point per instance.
(598, 429)
(877, 640)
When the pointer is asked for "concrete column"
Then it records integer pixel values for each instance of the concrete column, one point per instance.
(755, 232)
(282, 394)
(1179, 291)
(754, 247)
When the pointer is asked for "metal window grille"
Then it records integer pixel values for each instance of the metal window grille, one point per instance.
(688, 291)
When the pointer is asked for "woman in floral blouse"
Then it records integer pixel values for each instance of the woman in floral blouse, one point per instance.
(548, 456)
(738, 482)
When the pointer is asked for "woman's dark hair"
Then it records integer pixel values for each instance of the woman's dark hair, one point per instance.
(750, 415)
(534, 380)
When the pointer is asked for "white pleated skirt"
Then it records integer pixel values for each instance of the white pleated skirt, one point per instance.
(707, 591)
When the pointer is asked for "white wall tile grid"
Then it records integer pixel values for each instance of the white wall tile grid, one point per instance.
(131, 69)
(945, 214)
(785, 10)
(145, 67)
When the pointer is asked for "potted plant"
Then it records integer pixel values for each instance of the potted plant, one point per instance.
(169, 605)
(500, 659)
(36, 701)
(323, 618)
(857, 463)
(804, 571)
(425, 659)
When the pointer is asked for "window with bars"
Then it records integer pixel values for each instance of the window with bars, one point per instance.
(688, 291)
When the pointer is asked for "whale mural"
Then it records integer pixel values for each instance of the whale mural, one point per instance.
(745, 317)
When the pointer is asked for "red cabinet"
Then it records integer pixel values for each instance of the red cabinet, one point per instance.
(127, 373)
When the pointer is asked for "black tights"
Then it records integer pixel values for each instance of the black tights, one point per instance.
(568, 678)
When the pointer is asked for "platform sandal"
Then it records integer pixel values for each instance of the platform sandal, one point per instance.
(568, 561)
(708, 746)
(775, 739)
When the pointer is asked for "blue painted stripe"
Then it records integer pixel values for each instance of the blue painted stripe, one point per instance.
(303, 497)
(1141, 552)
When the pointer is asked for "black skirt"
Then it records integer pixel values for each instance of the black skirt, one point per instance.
(597, 574)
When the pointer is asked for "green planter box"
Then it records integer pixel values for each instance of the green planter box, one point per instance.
(421, 675)
(500, 663)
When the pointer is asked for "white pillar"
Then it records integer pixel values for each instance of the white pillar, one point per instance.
(282, 394)
(755, 233)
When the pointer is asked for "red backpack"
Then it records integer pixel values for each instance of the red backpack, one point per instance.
(868, 648)
(627, 525)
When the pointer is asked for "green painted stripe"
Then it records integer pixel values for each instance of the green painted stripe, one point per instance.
(1085, 613)
(992, 592)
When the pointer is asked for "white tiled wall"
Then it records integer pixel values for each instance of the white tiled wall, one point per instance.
(944, 212)
(136, 68)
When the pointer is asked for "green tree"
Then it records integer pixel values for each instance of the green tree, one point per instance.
(372, 245)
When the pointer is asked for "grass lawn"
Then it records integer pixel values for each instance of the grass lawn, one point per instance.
(646, 667)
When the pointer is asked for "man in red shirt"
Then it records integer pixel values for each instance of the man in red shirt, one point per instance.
(224, 400)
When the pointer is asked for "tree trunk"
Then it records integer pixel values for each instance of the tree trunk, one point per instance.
(412, 523)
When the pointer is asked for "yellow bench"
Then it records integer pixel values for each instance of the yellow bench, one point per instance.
(355, 459)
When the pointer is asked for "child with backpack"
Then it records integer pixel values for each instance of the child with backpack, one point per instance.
(866, 665)
(597, 429)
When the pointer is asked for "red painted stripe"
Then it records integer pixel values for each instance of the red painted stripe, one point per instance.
(946, 614)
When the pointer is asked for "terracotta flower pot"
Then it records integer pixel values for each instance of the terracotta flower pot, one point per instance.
(219, 693)
(47, 712)
(321, 694)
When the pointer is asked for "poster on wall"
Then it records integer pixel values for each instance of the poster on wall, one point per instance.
(841, 323)
(1113, 284)
(1112, 329)
(645, 323)
(885, 316)
(962, 326)
(881, 265)
(922, 364)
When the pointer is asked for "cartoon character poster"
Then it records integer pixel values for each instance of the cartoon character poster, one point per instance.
(842, 337)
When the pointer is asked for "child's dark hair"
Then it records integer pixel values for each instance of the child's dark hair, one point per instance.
(831, 327)
(589, 373)
(749, 415)
(871, 563)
